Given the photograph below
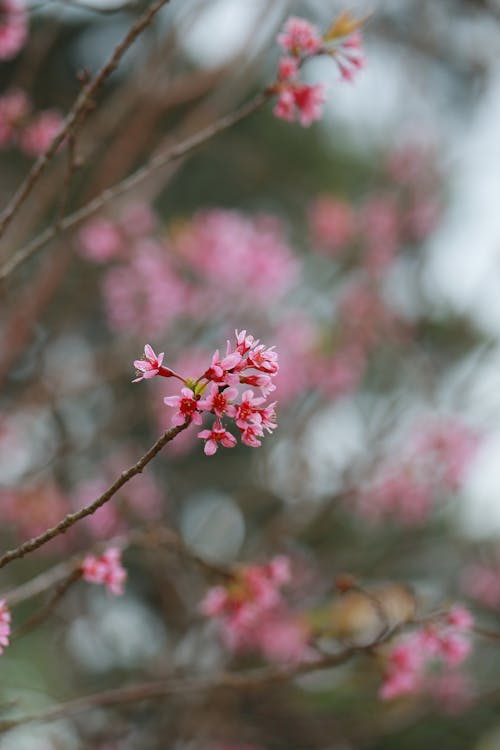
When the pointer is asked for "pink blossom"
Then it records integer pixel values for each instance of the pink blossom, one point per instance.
(252, 613)
(244, 342)
(248, 409)
(14, 107)
(234, 253)
(301, 102)
(39, 134)
(145, 293)
(455, 648)
(283, 639)
(460, 617)
(349, 56)
(150, 365)
(187, 405)
(250, 435)
(13, 28)
(418, 654)
(288, 68)
(264, 382)
(220, 370)
(264, 359)
(106, 569)
(218, 434)
(219, 401)
(100, 240)
(332, 223)
(5, 619)
(299, 37)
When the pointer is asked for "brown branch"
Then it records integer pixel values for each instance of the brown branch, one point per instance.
(177, 151)
(46, 610)
(68, 521)
(247, 680)
(77, 114)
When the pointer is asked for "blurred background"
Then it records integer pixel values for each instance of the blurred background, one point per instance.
(366, 248)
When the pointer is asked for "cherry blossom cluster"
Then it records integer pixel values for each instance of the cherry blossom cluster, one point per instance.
(31, 132)
(158, 276)
(397, 217)
(253, 615)
(434, 462)
(300, 41)
(106, 569)
(13, 28)
(438, 646)
(4, 625)
(215, 392)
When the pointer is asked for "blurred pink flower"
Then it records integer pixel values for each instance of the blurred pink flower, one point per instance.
(100, 240)
(332, 223)
(4, 625)
(299, 37)
(13, 28)
(301, 102)
(38, 135)
(106, 569)
(217, 434)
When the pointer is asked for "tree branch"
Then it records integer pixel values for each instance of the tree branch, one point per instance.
(177, 151)
(68, 521)
(77, 114)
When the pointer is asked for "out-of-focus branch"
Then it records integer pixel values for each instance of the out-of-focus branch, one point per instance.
(161, 159)
(72, 518)
(248, 680)
(77, 114)
(46, 610)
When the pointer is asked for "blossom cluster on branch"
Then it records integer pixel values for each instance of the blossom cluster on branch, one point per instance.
(215, 391)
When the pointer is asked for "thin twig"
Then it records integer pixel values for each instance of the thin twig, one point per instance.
(177, 151)
(77, 114)
(68, 521)
(46, 610)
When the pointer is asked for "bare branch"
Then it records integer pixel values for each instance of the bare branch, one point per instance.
(177, 151)
(77, 114)
(68, 521)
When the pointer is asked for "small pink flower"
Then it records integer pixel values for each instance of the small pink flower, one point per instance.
(218, 434)
(247, 410)
(264, 359)
(288, 68)
(250, 435)
(150, 365)
(100, 240)
(106, 569)
(349, 56)
(219, 401)
(309, 101)
(220, 369)
(4, 625)
(39, 134)
(460, 617)
(285, 108)
(244, 342)
(332, 223)
(214, 602)
(300, 101)
(13, 28)
(299, 37)
(264, 382)
(187, 406)
(14, 106)
(455, 649)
